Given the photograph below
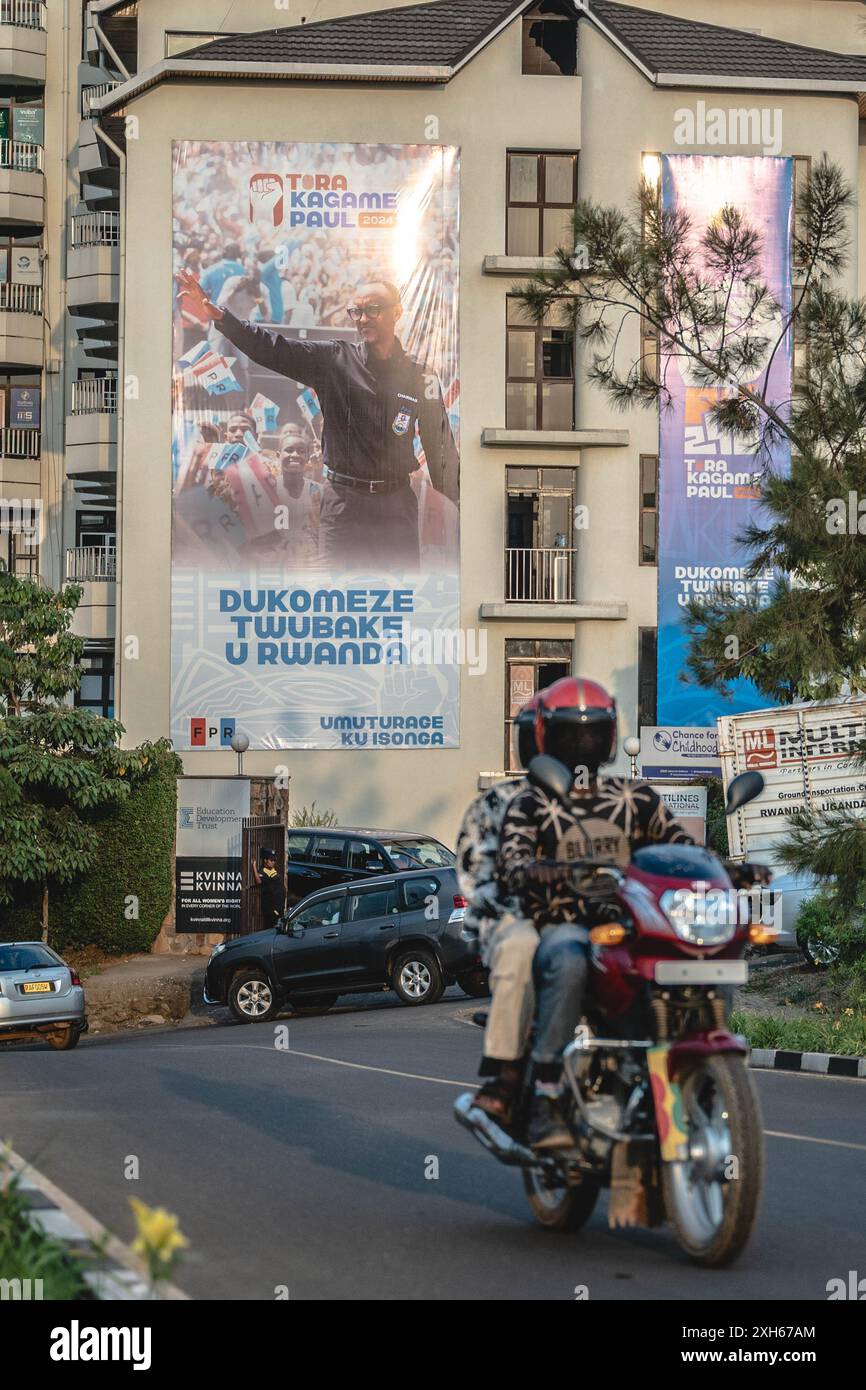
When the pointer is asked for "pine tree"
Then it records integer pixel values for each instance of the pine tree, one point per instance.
(58, 764)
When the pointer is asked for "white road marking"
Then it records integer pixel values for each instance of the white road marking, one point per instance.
(811, 1139)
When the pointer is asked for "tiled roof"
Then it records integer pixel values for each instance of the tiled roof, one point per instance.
(436, 35)
(667, 44)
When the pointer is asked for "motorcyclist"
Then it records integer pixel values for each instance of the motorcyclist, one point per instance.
(603, 819)
(507, 940)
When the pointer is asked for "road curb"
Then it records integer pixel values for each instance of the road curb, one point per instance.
(116, 1274)
(812, 1063)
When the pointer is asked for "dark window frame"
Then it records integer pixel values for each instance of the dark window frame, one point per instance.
(550, 15)
(644, 510)
(540, 203)
(98, 662)
(539, 379)
(537, 659)
(647, 707)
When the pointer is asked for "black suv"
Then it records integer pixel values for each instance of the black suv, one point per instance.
(319, 858)
(403, 932)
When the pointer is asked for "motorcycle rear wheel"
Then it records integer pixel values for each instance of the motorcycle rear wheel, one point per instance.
(560, 1208)
(711, 1199)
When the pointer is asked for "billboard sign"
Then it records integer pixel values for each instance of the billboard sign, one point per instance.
(689, 806)
(709, 482)
(315, 560)
(210, 815)
(679, 750)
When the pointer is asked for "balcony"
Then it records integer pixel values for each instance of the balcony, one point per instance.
(91, 428)
(539, 576)
(22, 184)
(94, 568)
(20, 443)
(23, 40)
(21, 330)
(93, 265)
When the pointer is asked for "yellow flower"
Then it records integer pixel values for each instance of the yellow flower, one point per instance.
(849, 1013)
(158, 1232)
(819, 1005)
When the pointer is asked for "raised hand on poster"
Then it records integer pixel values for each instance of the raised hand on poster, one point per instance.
(193, 298)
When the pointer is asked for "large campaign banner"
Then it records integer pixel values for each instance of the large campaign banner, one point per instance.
(710, 483)
(315, 467)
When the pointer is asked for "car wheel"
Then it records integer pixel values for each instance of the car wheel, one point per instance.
(416, 978)
(65, 1038)
(252, 998)
(818, 954)
(314, 1004)
(475, 983)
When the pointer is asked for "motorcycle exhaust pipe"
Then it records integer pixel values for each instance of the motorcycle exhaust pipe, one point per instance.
(493, 1137)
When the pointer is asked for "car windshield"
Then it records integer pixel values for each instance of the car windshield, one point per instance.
(25, 957)
(419, 854)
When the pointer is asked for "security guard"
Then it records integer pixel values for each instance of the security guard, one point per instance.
(374, 398)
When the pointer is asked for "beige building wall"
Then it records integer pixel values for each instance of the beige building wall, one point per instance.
(488, 108)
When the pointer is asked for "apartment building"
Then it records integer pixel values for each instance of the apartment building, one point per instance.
(558, 493)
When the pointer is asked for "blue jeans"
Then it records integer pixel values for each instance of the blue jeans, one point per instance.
(559, 972)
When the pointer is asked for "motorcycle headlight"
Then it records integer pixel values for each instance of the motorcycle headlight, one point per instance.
(702, 919)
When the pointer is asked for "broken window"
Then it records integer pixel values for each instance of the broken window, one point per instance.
(550, 40)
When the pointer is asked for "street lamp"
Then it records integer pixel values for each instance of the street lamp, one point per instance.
(631, 745)
(240, 743)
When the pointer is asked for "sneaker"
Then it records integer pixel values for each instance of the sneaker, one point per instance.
(547, 1128)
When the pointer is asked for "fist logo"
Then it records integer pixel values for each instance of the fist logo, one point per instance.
(266, 197)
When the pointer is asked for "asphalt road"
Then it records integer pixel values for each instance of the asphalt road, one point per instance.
(306, 1167)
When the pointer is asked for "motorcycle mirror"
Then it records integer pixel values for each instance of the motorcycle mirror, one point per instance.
(550, 775)
(743, 789)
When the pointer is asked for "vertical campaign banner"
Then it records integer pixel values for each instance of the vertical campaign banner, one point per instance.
(208, 845)
(709, 482)
(315, 468)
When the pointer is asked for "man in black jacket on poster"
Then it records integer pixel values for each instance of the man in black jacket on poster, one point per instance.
(374, 399)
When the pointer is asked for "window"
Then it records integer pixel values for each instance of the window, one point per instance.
(21, 132)
(19, 553)
(416, 891)
(325, 913)
(418, 854)
(647, 672)
(96, 690)
(539, 391)
(20, 406)
(328, 850)
(549, 40)
(542, 192)
(530, 665)
(649, 509)
(298, 848)
(365, 856)
(539, 556)
(96, 529)
(378, 902)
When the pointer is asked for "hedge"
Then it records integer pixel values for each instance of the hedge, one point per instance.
(135, 858)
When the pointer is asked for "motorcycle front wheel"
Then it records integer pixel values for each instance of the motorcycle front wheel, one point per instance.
(711, 1199)
(558, 1207)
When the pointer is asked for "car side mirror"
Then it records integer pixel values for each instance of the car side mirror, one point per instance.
(550, 775)
(742, 790)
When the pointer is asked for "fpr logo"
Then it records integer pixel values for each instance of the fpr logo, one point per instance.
(205, 732)
(760, 748)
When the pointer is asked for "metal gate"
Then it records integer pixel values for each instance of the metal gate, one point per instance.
(258, 833)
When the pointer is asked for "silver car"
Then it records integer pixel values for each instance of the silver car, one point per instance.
(40, 996)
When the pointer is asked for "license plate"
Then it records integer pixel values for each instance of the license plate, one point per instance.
(701, 972)
(37, 987)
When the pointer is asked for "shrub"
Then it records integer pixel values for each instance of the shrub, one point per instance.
(822, 918)
(135, 859)
(310, 816)
(27, 1253)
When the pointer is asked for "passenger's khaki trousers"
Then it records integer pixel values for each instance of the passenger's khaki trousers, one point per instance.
(508, 955)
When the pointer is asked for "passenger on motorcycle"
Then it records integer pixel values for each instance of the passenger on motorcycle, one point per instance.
(507, 940)
(602, 819)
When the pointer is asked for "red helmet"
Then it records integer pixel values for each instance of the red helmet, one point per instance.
(524, 727)
(575, 721)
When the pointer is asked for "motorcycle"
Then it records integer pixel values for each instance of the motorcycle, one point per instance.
(658, 1096)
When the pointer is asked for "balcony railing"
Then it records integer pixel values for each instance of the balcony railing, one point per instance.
(539, 576)
(19, 444)
(95, 229)
(95, 396)
(23, 14)
(89, 564)
(94, 92)
(22, 155)
(20, 299)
